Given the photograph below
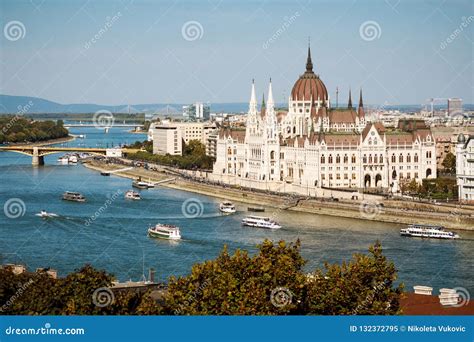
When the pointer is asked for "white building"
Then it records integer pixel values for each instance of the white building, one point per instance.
(314, 146)
(198, 110)
(465, 168)
(455, 107)
(168, 137)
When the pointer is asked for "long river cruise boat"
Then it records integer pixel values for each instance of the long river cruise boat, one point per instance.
(428, 231)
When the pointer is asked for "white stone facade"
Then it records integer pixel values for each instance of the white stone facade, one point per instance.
(465, 168)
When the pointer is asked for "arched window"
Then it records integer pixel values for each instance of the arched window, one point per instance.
(330, 159)
(229, 150)
(272, 155)
(393, 158)
(415, 158)
(375, 159)
(381, 159)
(323, 159)
(400, 159)
(346, 159)
(338, 159)
(370, 159)
(428, 154)
(364, 159)
(353, 159)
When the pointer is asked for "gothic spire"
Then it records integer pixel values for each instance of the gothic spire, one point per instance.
(270, 102)
(253, 99)
(349, 103)
(361, 104)
(263, 100)
(309, 62)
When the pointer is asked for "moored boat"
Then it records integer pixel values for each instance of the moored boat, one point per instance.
(427, 231)
(73, 196)
(139, 184)
(164, 231)
(133, 195)
(256, 209)
(63, 160)
(227, 207)
(260, 222)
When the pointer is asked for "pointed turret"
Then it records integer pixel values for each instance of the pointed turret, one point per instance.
(253, 100)
(270, 102)
(349, 103)
(309, 62)
(263, 108)
(361, 111)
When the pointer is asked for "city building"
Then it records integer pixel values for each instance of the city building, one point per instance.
(197, 111)
(465, 168)
(169, 137)
(455, 107)
(313, 145)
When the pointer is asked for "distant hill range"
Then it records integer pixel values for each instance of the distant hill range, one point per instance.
(30, 105)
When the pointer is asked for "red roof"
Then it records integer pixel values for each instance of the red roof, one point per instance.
(416, 304)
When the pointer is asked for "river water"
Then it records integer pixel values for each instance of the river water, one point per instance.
(115, 238)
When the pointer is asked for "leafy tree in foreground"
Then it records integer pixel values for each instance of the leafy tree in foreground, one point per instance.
(363, 286)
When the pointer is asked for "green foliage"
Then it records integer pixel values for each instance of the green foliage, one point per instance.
(363, 286)
(239, 284)
(439, 188)
(449, 163)
(17, 129)
(194, 156)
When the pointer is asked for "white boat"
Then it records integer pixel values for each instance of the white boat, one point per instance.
(73, 196)
(164, 231)
(260, 222)
(227, 207)
(133, 195)
(72, 159)
(427, 231)
(45, 214)
(63, 160)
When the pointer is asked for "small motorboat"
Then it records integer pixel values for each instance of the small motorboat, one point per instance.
(73, 196)
(63, 160)
(139, 184)
(256, 209)
(260, 222)
(73, 159)
(45, 214)
(133, 195)
(227, 207)
(164, 231)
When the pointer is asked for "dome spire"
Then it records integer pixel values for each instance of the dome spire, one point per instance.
(309, 62)
(349, 103)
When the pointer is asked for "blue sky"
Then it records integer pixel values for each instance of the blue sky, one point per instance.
(143, 56)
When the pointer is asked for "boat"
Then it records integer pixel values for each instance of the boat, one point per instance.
(260, 222)
(72, 159)
(133, 195)
(427, 231)
(256, 209)
(139, 184)
(73, 196)
(63, 160)
(105, 173)
(227, 207)
(164, 231)
(45, 214)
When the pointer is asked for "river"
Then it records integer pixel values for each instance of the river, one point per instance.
(116, 238)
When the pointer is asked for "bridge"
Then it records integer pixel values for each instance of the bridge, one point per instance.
(38, 152)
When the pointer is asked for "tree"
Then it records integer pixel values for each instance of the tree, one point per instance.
(449, 163)
(364, 286)
(239, 284)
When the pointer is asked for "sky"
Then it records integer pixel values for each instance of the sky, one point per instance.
(130, 52)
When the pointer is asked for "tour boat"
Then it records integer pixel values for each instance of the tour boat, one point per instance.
(45, 214)
(164, 231)
(63, 160)
(72, 159)
(227, 207)
(73, 196)
(133, 195)
(260, 222)
(427, 231)
(139, 184)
